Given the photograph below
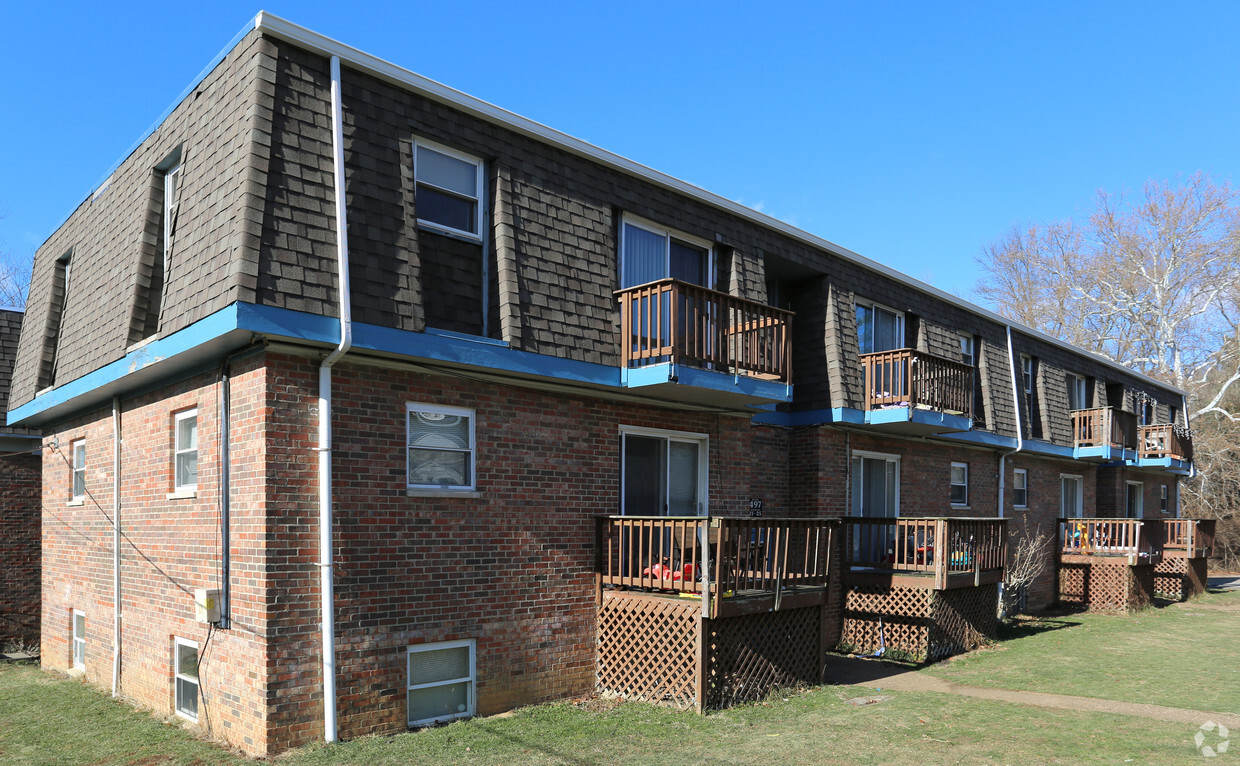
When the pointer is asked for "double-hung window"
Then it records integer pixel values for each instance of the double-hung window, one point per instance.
(960, 484)
(879, 328)
(441, 682)
(1162, 500)
(185, 657)
(185, 448)
(79, 640)
(967, 350)
(440, 447)
(79, 470)
(1077, 392)
(449, 188)
(1020, 488)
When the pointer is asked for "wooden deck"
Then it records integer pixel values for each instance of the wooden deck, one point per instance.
(910, 378)
(941, 553)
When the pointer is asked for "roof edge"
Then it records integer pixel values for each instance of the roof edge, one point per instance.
(286, 30)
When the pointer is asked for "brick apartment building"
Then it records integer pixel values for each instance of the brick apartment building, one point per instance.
(20, 511)
(536, 334)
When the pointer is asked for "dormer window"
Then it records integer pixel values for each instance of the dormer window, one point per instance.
(878, 328)
(449, 190)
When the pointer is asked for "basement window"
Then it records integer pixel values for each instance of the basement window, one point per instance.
(960, 483)
(79, 640)
(441, 682)
(185, 451)
(185, 657)
(448, 189)
(440, 447)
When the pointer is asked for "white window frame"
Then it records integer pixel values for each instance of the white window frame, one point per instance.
(668, 235)
(954, 484)
(1026, 373)
(1078, 384)
(471, 680)
(480, 185)
(172, 178)
(441, 409)
(968, 349)
(861, 303)
(1140, 490)
(1024, 474)
(78, 470)
(177, 451)
(1163, 505)
(1080, 496)
(177, 643)
(886, 457)
(78, 642)
(703, 442)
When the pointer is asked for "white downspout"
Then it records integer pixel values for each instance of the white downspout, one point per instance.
(325, 417)
(1020, 440)
(1020, 445)
(116, 546)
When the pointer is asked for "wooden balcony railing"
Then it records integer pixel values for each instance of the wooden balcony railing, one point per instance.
(674, 321)
(1193, 536)
(933, 546)
(1104, 426)
(713, 555)
(909, 378)
(1111, 537)
(1165, 441)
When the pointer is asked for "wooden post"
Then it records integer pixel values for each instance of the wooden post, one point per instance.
(701, 660)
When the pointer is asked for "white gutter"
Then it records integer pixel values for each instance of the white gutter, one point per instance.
(325, 417)
(321, 45)
(116, 546)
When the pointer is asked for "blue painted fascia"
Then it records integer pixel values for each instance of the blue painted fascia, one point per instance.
(213, 326)
(919, 416)
(821, 417)
(666, 372)
(436, 347)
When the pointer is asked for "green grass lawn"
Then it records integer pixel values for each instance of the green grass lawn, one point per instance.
(1186, 655)
(48, 719)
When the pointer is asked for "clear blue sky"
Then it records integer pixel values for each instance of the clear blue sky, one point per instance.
(911, 133)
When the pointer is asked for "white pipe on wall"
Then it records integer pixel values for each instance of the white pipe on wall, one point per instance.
(116, 546)
(326, 588)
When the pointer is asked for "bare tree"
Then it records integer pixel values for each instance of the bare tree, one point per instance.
(14, 280)
(1154, 284)
(1151, 285)
(1031, 550)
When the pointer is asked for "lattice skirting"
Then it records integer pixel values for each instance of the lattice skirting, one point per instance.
(1106, 584)
(920, 623)
(647, 649)
(748, 656)
(1180, 578)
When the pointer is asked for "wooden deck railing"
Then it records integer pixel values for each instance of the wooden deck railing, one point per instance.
(1111, 537)
(1165, 441)
(682, 323)
(935, 546)
(722, 555)
(909, 378)
(1104, 426)
(1193, 536)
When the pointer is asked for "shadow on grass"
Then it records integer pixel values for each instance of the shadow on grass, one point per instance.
(1024, 627)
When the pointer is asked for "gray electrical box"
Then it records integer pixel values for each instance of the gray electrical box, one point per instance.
(206, 605)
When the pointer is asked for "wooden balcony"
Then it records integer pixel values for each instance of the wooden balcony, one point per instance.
(917, 380)
(938, 553)
(1104, 427)
(1165, 441)
(1140, 539)
(735, 565)
(682, 323)
(1188, 538)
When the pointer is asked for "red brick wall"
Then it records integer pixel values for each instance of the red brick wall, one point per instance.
(20, 537)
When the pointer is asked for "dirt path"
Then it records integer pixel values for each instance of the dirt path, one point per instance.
(879, 675)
